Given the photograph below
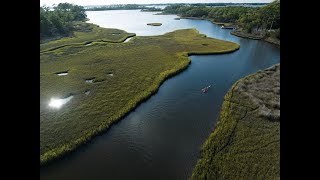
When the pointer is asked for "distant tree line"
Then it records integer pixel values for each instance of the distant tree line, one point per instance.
(58, 21)
(151, 9)
(228, 4)
(249, 18)
(219, 14)
(116, 7)
(123, 7)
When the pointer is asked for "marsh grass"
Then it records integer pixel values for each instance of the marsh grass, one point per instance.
(246, 141)
(139, 67)
(85, 37)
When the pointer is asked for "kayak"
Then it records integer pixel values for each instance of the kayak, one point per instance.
(205, 90)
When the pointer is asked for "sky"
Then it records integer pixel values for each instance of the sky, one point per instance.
(107, 2)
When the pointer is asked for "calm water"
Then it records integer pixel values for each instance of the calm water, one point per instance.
(162, 137)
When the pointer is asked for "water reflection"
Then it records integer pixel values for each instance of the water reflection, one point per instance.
(89, 81)
(62, 74)
(58, 103)
(128, 39)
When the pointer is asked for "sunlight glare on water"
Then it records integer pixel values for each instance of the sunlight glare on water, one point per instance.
(57, 103)
(62, 74)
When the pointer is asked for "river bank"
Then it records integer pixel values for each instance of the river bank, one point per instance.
(237, 32)
(241, 33)
(268, 39)
(246, 141)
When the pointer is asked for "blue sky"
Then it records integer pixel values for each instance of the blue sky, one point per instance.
(106, 2)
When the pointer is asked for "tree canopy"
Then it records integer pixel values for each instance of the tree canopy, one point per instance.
(116, 7)
(263, 18)
(58, 21)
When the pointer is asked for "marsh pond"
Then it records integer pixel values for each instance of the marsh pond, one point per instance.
(161, 138)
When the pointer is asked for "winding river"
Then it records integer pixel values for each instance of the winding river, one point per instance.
(161, 138)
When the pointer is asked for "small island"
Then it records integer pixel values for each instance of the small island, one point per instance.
(154, 24)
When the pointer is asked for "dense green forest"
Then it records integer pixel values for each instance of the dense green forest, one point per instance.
(228, 4)
(248, 18)
(58, 21)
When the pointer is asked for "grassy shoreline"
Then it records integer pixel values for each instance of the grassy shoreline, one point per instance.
(251, 36)
(65, 150)
(174, 49)
(272, 41)
(89, 42)
(246, 141)
(86, 33)
(246, 35)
